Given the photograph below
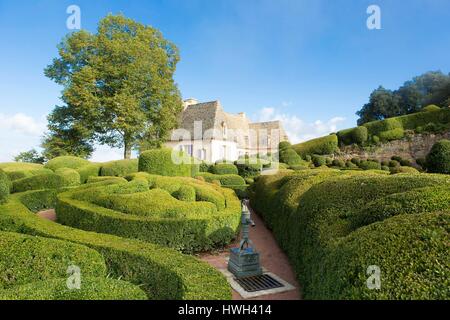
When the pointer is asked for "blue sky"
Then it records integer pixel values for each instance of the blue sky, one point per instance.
(310, 63)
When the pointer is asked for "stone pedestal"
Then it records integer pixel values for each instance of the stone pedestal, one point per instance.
(244, 263)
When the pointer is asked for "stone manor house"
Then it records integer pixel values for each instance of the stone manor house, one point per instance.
(207, 132)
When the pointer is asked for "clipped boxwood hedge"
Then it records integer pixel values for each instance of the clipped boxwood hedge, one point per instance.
(119, 168)
(223, 168)
(91, 289)
(319, 221)
(87, 171)
(132, 210)
(41, 181)
(19, 170)
(224, 179)
(66, 162)
(4, 186)
(322, 146)
(161, 272)
(71, 176)
(159, 161)
(25, 259)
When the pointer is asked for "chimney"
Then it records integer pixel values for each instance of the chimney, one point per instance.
(189, 102)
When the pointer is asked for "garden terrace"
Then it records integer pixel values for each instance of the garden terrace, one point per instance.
(334, 224)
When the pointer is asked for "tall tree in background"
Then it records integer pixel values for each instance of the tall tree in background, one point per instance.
(429, 88)
(118, 86)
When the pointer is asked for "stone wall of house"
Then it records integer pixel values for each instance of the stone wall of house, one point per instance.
(412, 147)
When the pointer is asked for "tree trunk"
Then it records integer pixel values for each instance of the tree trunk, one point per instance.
(127, 150)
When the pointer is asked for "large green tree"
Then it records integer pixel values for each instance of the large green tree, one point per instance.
(429, 88)
(118, 85)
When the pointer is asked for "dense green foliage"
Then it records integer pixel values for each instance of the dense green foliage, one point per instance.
(4, 186)
(19, 170)
(224, 179)
(91, 289)
(413, 96)
(70, 176)
(40, 181)
(30, 156)
(118, 87)
(322, 146)
(25, 259)
(335, 224)
(119, 168)
(156, 209)
(161, 272)
(66, 162)
(223, 168)
(438, 160)
(159, 161)
(89, 170)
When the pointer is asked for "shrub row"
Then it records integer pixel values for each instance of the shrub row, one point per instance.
(4, 186)
(41, 181)
(131, 210)
(322, 146)
(119, 168)
(161, 272)
(91, 289)
(223, 179)
(320, 220)
(160, 162)
(223, 168)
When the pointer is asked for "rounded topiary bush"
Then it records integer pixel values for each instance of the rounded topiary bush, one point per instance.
(25, 259)
(224, 168)
(119, 168)
(438, 160)
(338, 163)
(4, 186)
(359, 135)
(166, 162)
(290, 157)
(66, 162)
(369, 165)
(71, 176)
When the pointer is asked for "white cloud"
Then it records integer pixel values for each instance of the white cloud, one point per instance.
(22, 124)
(297, 129)
(19, 132)
(105, 153)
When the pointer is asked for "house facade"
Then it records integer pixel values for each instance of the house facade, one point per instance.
(208, 133)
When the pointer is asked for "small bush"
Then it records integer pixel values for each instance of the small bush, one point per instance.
(438, 159)
(403, 169)
(376, 139)
(351, 165)
(318, 160)
(66, 162)
(394, 163)
(224, 168)
(4, 186)
(385, 168)
(71, 176)
(119, 168)
(405, 163)
(185, 193)
(159, 161)
(290, 157)
(284, 145)
(369, 165)
(356, 161)
(338, 163)
(204, 167)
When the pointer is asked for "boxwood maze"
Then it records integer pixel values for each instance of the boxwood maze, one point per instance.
(162, 273)
(139, 219)
(182, 213)
(334, 225)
